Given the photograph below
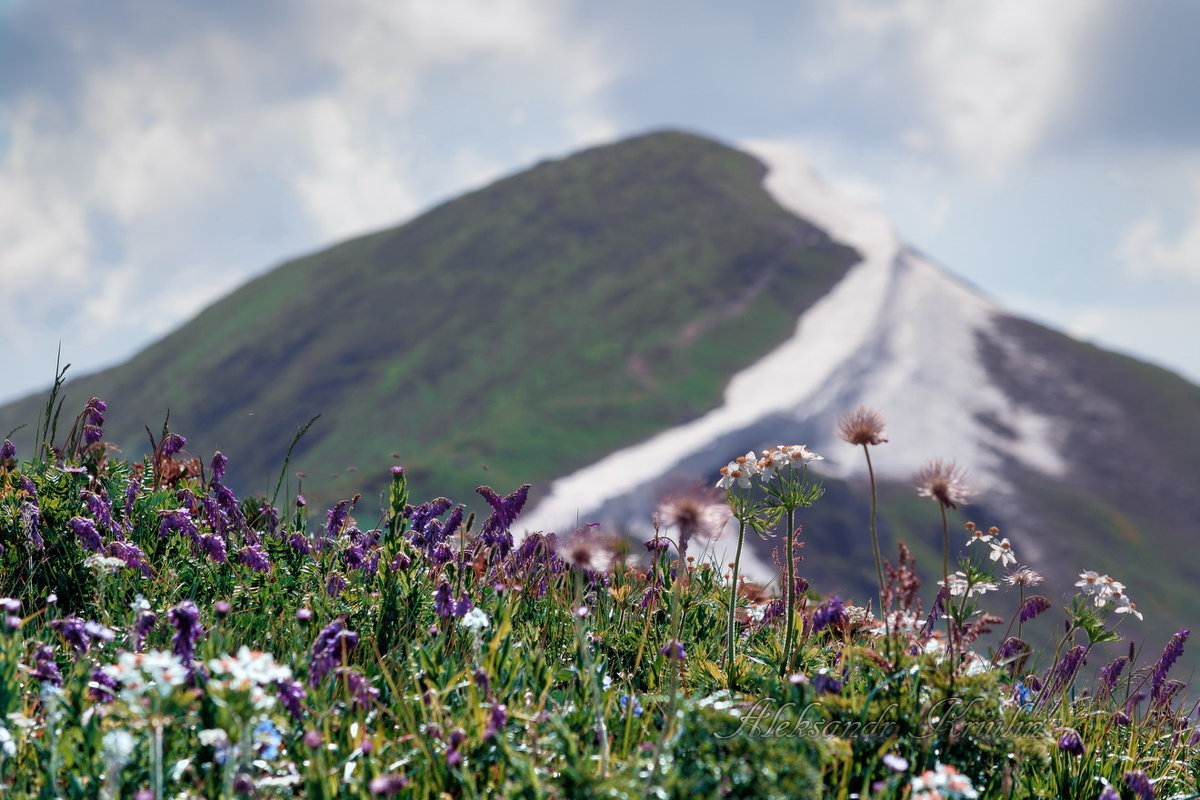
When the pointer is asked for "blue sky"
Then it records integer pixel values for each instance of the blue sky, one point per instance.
(154, 155)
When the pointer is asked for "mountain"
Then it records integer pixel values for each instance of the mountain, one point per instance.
(622, 321)
(509, 336)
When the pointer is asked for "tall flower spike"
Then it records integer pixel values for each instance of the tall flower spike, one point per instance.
(944, 482)
(862, 426)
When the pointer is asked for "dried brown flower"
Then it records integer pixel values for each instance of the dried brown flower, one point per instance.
(697, 514)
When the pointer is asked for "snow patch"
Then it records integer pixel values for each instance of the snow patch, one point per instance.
(897, 333)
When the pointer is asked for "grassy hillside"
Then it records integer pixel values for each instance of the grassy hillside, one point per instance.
(510, 335)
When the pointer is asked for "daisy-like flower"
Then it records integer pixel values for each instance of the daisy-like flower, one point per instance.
(739, 472)
(862, 426)
(142, 673)
(476, 620)
(1002, 552)
(1111, 584)
(1090, 582)
(957, 583)
(944, 482)
(800, 454)
(979, 536)
(943, 783)
(1127, 606)
(960, 585)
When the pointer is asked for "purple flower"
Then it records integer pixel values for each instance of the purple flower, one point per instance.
(28, 487)
(895, 762)
(185, 618)
(230, 507)
(86, 531)
(300, 501)
(830, 613)
(93, 411)
(290, 694)
(178, 519)
(329, 650)
(497, 719)
(73, 632)
(1110, 674)
(335, 518)
(102, 686)
(1064, 673)
(1032, 606)
(92, 434)
(463, 605)
(171, 444)
(132, 489)
(222, 607)
(420, 516)
(31, 516)
(389, 783)
(142, 626)
(271, 513)
(45, 670)
(825, 683)
(304, 614)
(218, 466)
(1170, 655)
(335, 585)
(100, 509)
(441, 555)
(402, 561)
(213, 547)
(7, 450)
(1109, 793)
(131, 554)
(1070, 742)
(365, 695)
(254, 557)
(495, 530)
(674, 651)
(453, 755)
(658, 544)
(1010, 648)
(354, 556)
(443, 600)
(299, 542)
(1139, 783)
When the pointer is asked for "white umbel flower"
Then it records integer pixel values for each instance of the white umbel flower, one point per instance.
(476, 620)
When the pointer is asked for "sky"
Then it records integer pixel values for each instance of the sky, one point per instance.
(156, 154)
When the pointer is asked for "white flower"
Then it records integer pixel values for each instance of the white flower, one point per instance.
(958, 584)
(139, 673)
(799, 454)
(212, 737)
(979, 536)
(476, 620)
(1002, 552)
(943, 783)
(8, 745)
(103, 565)
(1090, 582)
(735, 473)
(1127, 606)
(117, 747)
(139, 604)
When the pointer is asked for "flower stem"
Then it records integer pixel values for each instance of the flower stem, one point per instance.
(875, 537)
(791, 594)
(730, 670)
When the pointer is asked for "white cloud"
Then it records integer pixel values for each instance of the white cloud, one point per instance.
(994, 78)
(1148, 248)
(178, 167)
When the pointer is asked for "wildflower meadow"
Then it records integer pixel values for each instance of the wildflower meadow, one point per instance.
(161, 637)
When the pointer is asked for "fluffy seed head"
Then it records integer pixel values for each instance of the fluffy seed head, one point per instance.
(862, 426)
(943, 481)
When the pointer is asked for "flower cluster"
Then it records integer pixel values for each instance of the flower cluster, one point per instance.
(248, 672)
(145, 674)
(1105, 590)
(739, 471)
(943, 783)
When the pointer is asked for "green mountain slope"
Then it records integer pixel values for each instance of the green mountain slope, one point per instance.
(507, 336)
